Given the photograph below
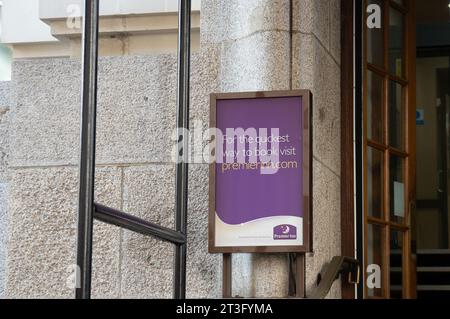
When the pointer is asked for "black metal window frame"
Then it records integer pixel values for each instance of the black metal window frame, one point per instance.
(88, 210)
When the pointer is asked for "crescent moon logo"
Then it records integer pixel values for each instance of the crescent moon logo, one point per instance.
(286, 229)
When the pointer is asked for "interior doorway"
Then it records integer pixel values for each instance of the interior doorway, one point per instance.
(431, 230)
(432, 214)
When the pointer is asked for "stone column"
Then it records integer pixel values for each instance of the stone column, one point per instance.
(316, 66)
(261, 50)
(254, 40)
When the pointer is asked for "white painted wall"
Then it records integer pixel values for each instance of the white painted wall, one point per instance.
(54, 9)
(21, 20)
(21, 24)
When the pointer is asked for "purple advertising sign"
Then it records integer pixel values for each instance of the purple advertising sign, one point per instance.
(261, 172)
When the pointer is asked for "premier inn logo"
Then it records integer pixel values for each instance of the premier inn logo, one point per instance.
(285, 232)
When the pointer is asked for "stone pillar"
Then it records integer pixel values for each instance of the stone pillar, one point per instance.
(261, 50)
(254, 42)
(316, 66)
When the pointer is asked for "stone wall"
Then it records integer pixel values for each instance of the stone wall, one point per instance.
(5, 102)
(245, 45)
(136, 115)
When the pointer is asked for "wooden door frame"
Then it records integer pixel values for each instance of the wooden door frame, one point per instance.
(352, 213)
(348, 245)
(351, 139)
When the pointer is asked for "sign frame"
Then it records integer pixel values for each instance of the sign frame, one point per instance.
(306, 97)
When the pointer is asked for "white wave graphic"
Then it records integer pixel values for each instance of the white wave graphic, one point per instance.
(256, 232)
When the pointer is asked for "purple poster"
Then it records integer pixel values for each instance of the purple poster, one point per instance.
(258, 172)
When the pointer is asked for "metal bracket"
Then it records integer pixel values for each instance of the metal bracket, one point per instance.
(339, 265)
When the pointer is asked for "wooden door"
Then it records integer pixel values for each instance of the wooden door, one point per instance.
(389, 147)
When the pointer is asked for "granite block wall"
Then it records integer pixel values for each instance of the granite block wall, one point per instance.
(246, 45)
(6, 97)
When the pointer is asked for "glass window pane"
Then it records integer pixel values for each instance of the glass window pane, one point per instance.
(396, 116)
(396, 263)
(375, 182)
(396, 43)
(397, 189)
(374, 107)
(374, 260)
(375, 41)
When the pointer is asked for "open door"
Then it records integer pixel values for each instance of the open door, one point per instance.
(389, 153)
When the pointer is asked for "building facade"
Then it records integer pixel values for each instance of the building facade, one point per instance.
(240, 46)
(378, 71)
